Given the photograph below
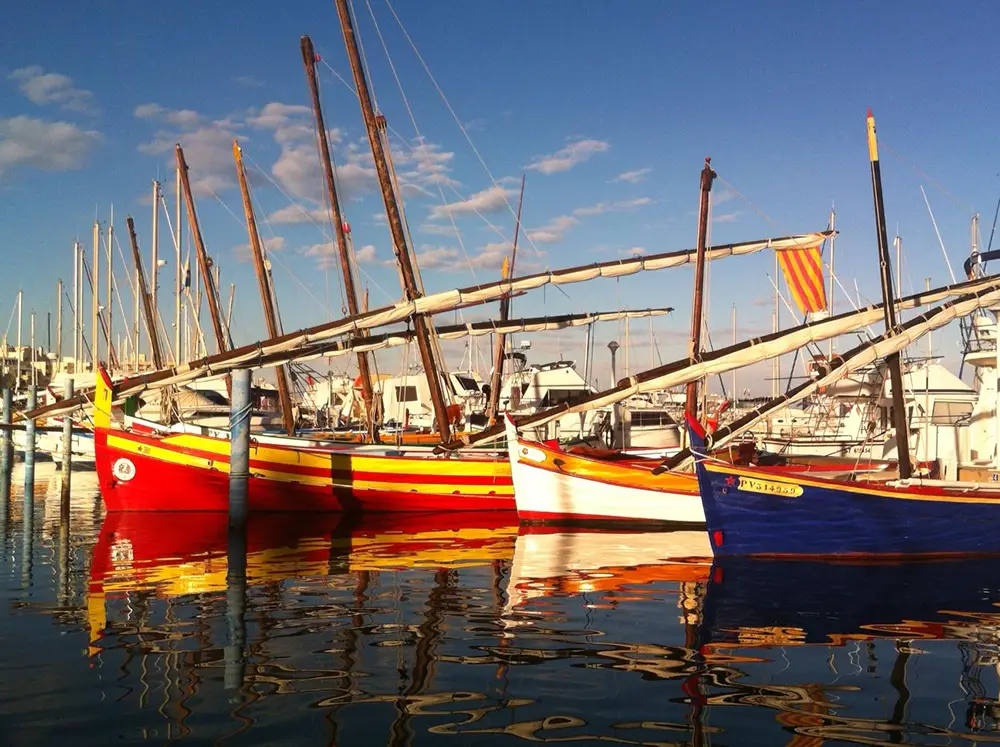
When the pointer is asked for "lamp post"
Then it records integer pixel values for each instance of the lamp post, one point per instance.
(616, 417)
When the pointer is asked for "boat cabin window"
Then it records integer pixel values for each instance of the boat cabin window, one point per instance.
(651, 418)
(951, 413)
(467, 383)
(406, 394)
(555, 397)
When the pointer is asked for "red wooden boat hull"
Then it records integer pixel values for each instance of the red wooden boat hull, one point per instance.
(183, 472)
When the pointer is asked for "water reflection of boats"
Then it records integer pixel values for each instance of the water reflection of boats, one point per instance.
(173, 554)
(549, 562)
(757, 601)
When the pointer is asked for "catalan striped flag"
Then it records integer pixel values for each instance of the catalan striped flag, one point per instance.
(803, 270)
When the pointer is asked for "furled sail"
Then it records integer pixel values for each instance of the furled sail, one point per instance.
(743, 354)
(289, 346)
(478, 329)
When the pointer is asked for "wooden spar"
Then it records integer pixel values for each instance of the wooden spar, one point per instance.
(496, 379)
(208, 282)
(694, 350)
(266, 291)
(147, 309)
(364, 370)
(420, 323)
(901, 422)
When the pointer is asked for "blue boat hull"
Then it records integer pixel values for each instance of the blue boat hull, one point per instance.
(755, 511)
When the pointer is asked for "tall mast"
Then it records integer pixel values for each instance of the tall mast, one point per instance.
(203, 261)
(59, 295)
(829, 295)
(364, 371)
(694, 350)
(76, 307)
(266, 291)
(95, 295)
(110, 294)
(496, 379)
(155, 246)
(900, 421)
(178, 273)
(20, 326)
(154, 339)
(420, 324)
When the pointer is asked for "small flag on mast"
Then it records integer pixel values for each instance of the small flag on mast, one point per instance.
(803, 270)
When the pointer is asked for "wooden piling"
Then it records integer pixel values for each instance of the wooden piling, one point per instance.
(239, 448)
(29, 448)
(67, 445)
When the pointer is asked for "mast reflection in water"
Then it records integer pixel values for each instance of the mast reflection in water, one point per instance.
(466, 629)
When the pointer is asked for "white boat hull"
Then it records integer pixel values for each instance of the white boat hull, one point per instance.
(543, 493)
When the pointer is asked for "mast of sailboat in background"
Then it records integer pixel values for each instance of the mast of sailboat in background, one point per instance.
(221, 340)
(95, 297)
(496, 378)
(333, 201)
(109, 311)
(900, 420)
(59, 295)
(829, 295)
(147, 309)
(178, 272)
(694, 349)
(266, 291)
(420, 323)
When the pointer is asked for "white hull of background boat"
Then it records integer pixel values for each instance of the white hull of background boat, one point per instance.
(551, 485)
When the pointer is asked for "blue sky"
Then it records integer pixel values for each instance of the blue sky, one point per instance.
(609, 108)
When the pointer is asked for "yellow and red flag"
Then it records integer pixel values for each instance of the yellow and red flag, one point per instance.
(803, 270)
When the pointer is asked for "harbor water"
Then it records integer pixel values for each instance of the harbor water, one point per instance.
(468, 629)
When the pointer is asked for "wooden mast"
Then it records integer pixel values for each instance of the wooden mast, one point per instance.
(496, 379)
(221, 341)
(147, 309)
(350, 291)
(400, 247)
(266, 291)
(694, 351)
(901, 423)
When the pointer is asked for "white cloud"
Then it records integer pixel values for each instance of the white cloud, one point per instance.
(273, 244)
(208, 152)
(633, 177)
(552, 232)
(52, 88)
(327, 254)
(437, 229)
(491, 256)
(490, 200)
(726, 217)
(290, 123)
(435, 257)
(366, 254)
(298, 214)
(247, 81)
(186, 119)
(635, 251)
(49, 146)
(614, 207)
(576, 152)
